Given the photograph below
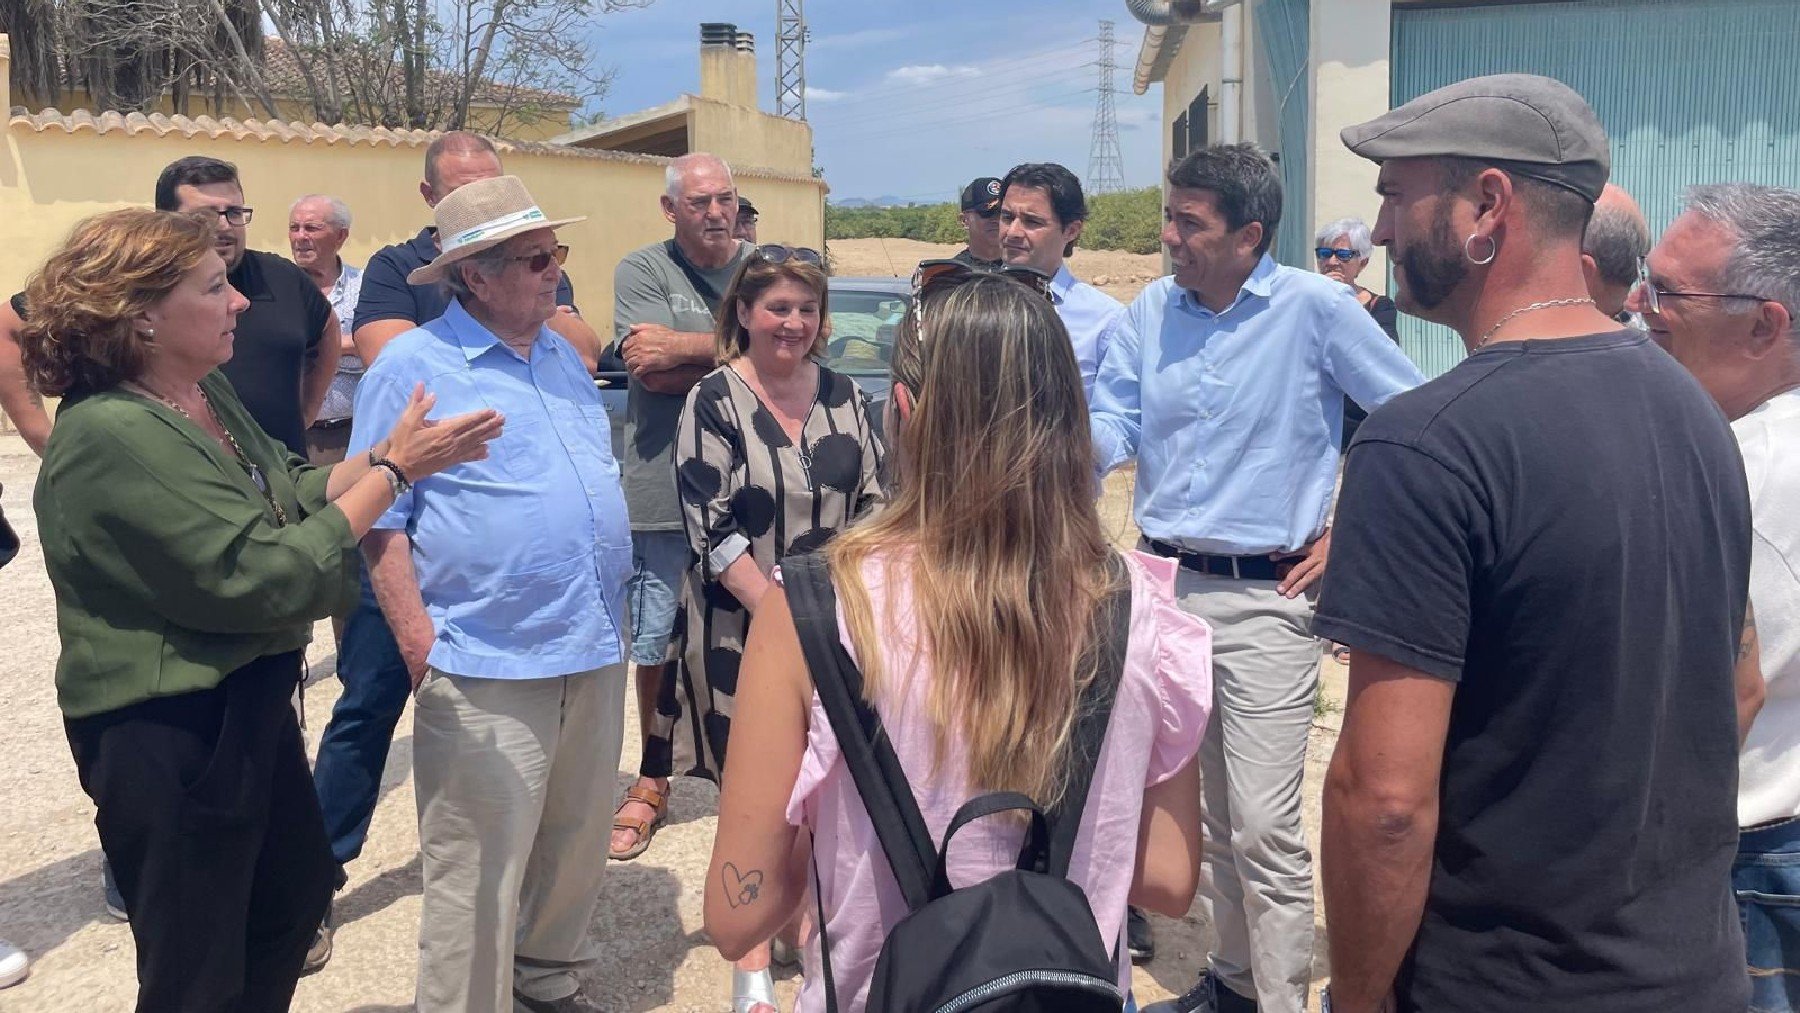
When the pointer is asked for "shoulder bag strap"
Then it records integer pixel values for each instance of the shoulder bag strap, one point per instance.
(1112, 631)
(703, 287)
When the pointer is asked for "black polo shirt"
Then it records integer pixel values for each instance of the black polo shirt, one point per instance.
(276, 343)
(387, 296)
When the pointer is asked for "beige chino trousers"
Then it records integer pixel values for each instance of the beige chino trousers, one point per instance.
(1258, 882)
(515, 781)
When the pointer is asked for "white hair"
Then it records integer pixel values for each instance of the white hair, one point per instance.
(1353, 228)
(339, 215)
(1766, 221)
(680, 167)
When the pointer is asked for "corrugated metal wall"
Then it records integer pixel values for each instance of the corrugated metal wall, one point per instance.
(1691, 91)
(1285, 30)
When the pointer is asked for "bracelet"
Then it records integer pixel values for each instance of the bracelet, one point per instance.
(400, 482)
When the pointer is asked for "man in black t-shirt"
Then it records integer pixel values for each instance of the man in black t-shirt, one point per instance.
(1540, 565)
(285, 350)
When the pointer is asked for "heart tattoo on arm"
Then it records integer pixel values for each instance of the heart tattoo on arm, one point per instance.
(741, 888)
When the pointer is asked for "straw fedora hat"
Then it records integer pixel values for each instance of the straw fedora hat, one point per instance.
(480, 216)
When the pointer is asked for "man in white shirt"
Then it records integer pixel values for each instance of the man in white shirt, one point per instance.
(1721, 295)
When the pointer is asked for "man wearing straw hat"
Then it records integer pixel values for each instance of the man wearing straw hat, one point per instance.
(504, 581)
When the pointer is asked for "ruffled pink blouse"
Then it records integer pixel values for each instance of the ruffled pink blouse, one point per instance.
(1158, 718)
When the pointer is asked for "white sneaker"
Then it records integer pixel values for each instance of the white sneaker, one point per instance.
(14, 964)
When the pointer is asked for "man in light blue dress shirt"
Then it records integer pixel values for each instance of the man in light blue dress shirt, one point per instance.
(1042, 212)
(504, 581)
(1227, 386)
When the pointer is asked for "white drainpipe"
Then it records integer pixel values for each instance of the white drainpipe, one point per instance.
(1231, 73)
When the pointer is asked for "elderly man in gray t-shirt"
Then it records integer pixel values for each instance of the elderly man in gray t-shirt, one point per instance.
(665, 298)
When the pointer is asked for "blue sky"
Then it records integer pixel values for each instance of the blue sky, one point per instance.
(912, 98)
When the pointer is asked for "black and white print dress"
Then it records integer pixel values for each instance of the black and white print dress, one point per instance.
(745, 486)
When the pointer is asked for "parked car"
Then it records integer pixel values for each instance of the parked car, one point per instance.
(864, 315)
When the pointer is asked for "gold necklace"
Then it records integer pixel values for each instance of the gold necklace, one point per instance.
(1485, 338)
(257, 477)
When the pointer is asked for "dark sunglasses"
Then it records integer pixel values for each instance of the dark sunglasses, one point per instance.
(538, 263)
(1328, 252)
(775, 253)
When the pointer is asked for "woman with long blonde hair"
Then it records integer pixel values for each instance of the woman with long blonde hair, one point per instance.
(968, 605)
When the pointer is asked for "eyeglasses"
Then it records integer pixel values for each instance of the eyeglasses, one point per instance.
(538, 263)
(775, 253)
(1653, 296)
(1330, 252)
(988, 214)
(234, 215)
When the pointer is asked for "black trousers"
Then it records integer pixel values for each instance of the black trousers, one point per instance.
(208, 816)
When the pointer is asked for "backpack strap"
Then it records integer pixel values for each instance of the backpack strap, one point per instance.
(875, 768)
(1112, 631)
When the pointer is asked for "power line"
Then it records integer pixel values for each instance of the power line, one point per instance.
(947, 121)
(910, 106)
(880, 93)
(1106, 167)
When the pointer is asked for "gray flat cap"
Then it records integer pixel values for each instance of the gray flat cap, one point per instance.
(1528, 125)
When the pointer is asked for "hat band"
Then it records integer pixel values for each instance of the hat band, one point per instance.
(485, 229)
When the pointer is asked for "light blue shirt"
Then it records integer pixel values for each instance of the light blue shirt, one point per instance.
(522, 558)
(1091, 316)
(1235, 418)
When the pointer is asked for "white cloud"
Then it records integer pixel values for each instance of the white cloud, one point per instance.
(927, 73)
(824, 94)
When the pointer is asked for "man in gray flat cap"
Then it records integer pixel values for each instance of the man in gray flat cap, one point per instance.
(1540, 566)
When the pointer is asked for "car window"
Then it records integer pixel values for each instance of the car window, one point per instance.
(862, 330)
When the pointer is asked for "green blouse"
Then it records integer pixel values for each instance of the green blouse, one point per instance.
(169, 568)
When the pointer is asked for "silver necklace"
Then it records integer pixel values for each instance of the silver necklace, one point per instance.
(1485, 338)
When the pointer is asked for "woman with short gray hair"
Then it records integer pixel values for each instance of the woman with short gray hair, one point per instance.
(1342, 248)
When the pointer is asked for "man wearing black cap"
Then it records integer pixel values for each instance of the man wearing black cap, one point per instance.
(1540, 567)
(981, 220)
(746, 220)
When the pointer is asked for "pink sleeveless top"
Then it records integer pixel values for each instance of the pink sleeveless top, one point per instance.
(1158, 718)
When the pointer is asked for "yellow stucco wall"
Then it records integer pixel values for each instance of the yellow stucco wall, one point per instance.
(1350, 85)
(749, 139)
(51, 179)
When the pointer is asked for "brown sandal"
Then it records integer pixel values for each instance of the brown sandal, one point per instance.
(645, 829)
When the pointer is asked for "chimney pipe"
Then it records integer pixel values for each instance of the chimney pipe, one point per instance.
(1176, 12)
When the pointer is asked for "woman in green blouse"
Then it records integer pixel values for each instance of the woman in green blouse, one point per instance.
(191, 554)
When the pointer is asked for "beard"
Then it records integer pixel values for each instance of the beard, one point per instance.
(1431, 269)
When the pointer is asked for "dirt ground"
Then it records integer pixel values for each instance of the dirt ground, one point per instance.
(655, 956)
(1120, 275)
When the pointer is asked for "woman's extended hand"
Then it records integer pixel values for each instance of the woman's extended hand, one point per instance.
(421, 447)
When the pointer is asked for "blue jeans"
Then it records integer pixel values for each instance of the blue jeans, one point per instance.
(1766, 877)
(659, 560)
(354, 749)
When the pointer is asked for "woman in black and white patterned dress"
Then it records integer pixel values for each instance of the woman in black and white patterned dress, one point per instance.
(774, 454)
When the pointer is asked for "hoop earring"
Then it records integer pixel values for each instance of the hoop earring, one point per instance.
(1493, 249)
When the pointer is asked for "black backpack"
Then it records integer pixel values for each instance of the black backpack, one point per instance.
(1024, 941)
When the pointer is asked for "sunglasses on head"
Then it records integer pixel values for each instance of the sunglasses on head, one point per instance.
(775, 253)
(1329, 252)
(538, 263)
(934, 275)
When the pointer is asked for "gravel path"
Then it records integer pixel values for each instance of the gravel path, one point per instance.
(656, 955)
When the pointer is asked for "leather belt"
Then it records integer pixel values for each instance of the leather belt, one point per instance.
(331, 423)
(1237, 567)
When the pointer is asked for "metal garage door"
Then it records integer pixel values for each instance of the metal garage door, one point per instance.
(1691, 91)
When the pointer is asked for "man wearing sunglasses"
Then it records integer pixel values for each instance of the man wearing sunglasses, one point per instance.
(1042, 211)
(980, 218)
(1722, 295)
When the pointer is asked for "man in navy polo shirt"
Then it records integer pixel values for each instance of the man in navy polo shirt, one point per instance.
(389, 307)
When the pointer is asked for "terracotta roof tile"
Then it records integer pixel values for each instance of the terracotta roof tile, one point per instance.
(162, 125)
